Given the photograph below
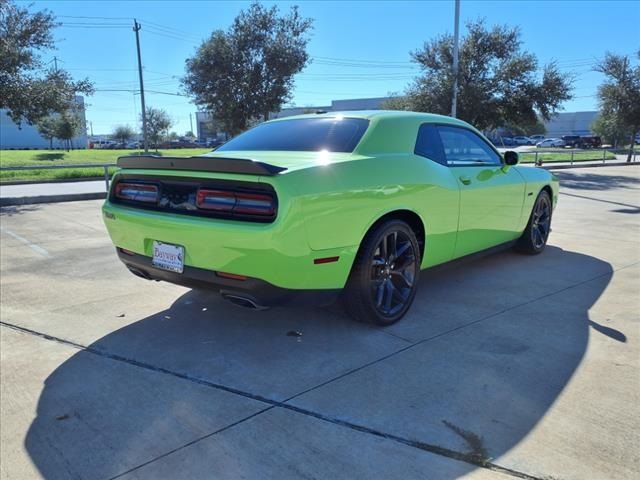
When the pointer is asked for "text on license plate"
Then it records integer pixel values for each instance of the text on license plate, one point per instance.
(168, 257)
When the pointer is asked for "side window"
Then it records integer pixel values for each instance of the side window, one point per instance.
(462, 147)
(428, 143)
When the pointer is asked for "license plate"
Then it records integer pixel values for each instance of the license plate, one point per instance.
(168, 257)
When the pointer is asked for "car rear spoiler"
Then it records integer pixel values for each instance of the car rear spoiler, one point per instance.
(200, 163)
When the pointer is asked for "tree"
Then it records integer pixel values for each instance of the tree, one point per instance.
(26, 92)
(619, 96)
(611, 129)
(47, 129)
(158, 124)
(189, 134)
(123, 133)
(246, 72)
(68, 125)
(497, 81)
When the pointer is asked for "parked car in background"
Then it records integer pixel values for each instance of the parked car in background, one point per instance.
(504, 141)
(521, 140)
(591, 141)
(285, 222)
(550, 143)
(573, 141)
(536, 138)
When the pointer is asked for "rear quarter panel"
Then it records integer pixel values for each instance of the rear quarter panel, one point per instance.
(341, 201)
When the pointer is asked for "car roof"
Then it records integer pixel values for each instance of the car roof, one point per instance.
(378, 115)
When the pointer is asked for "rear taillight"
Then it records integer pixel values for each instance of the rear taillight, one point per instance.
(138, 192)
(236, 202)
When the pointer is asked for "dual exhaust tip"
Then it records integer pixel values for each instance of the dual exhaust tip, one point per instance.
(235, 298)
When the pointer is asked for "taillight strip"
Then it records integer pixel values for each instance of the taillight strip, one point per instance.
(138, 192)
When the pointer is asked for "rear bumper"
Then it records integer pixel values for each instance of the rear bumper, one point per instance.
(250, 291)
(277, 253)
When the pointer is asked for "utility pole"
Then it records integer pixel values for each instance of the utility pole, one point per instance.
(456, 34)
(191, 122)
(136, 28)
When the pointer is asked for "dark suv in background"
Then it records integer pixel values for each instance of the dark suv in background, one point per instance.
(591, 141)
(573, 141)
(586, 141)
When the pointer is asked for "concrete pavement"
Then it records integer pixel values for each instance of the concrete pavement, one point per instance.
(32, 193)
(507, 366)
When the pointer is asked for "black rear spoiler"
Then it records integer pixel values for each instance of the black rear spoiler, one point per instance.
(200, 163)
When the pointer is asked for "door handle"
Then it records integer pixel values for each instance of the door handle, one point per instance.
(465, 180)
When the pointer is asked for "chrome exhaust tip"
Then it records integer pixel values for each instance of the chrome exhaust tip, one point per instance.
(243, 301)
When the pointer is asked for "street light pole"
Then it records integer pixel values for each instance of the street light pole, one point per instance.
(136, 28)
(456, 34)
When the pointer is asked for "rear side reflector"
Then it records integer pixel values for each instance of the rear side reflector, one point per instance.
(232, 276)
(319, 261)
(138, 192)
(236, 202)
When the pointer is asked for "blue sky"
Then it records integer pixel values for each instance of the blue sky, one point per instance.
(379, 34)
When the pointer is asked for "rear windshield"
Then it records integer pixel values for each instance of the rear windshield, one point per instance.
(334, 134)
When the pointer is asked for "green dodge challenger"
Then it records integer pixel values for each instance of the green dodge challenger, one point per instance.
(311, 206)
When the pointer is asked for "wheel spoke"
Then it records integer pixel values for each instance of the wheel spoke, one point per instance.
(392, 246)
(405, 263)
(403, 249)
(537, 238)
(388, 294)
(408, 282)
(380, 294)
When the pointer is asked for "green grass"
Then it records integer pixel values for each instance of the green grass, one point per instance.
(556, 156)
(23, 158)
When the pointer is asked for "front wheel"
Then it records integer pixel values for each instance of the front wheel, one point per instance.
(535, 235)
(384, 277)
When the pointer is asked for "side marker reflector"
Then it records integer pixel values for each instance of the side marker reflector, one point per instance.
(319, 261)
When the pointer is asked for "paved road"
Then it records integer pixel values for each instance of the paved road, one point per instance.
(529, 366)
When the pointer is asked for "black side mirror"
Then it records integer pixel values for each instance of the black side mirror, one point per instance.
(511, 157)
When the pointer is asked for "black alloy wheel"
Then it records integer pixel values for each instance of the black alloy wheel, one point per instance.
(535, 236)
(384, 277)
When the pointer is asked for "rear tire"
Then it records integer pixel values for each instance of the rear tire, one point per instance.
(535, 235)
(384, 277)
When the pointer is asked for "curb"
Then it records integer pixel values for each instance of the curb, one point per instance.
(71, 197)
(593, 165)
(62, 180)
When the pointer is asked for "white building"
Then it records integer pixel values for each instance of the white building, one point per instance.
(570, 123)
(26, 136)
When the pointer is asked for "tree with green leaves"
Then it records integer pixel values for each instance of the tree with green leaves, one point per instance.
(158, 125)
(498, 83)
(47, 129)
(28, 93)
(123, 133)
(246, 72)
(68, 125)
(611, 129)
(619, 96)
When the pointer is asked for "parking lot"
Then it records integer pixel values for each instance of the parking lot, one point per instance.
(508, 366)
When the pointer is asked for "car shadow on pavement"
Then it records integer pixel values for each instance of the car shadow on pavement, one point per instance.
(105, 411)
(595, 181)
